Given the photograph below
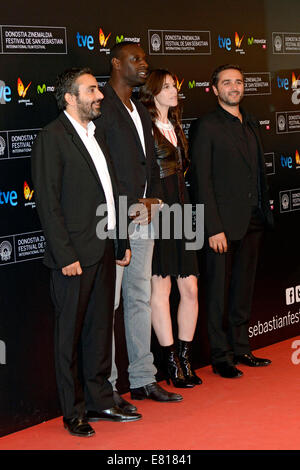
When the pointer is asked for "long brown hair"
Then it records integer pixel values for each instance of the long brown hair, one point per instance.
(153, 87)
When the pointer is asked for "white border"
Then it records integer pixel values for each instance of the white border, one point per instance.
(34, 53)
(14, 240)
(273, 155)
(287, 131)
(179, 53)
(259, 94)
(15, 130)
(283, 32)
(289, 192)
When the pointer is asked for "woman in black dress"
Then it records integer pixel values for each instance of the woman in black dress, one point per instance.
(170, 258)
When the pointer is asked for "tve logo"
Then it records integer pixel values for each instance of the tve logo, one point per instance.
(87, 40)
(2, 352)
(84, 40)
(293, 84)
(5, 93)
(286, 83)
(292, 295)
(224, 43)
(283, 83)
(9, 197)
(286, 162)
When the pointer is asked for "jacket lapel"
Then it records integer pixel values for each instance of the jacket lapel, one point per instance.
(121, 107)
(144, 124)
(258, 140)
(79, 144)
(102, 144)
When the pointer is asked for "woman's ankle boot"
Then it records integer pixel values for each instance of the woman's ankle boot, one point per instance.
(173, 368)
(184, 354)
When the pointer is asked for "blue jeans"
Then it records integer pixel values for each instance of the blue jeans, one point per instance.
(136, 290)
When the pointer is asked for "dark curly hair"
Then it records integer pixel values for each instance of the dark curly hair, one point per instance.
(215, 75)
(66, 83)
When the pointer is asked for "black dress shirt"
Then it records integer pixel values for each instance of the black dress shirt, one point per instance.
(247, 143)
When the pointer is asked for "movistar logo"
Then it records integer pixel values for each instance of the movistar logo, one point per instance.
(119, 39)
(44, 88)
(192, 84)
(41, 89)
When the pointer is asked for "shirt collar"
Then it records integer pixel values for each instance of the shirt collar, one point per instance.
(89, 132)
(231, 116)
(134, 110)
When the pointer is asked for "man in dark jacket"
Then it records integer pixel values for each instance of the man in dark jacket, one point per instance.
(73, 176)
(128, 131)
(229, 179)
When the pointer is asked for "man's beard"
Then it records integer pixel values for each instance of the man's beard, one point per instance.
(232, 102)
(86, 111)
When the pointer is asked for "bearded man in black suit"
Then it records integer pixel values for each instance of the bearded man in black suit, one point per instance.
(73, 176)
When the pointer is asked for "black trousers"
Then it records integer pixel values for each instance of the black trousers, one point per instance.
(229, 293)
(83, 335)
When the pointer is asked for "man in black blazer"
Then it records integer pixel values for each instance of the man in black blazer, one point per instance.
(73, 176)
(229, 179)
(128, 130)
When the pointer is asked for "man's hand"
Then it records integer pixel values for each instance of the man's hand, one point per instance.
(139, 214)
(218, 242)
(126, 260)
(73, 269)
(145, 211)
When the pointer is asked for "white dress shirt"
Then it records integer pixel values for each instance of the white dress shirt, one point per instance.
(93, 148)
(139, 127)
(141, 231)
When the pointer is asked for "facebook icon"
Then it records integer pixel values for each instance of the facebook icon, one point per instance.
(289, 296)
(292, 295)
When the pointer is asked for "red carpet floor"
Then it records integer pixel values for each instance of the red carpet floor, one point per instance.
(259, 411)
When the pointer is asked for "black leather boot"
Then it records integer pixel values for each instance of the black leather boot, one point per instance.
(173, 368)
(184, 353)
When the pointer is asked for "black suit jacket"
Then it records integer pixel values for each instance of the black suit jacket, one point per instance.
(221, 176)
(131, 166)
(68, 191)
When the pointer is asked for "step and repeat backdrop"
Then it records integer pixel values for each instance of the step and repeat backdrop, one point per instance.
(38, 41)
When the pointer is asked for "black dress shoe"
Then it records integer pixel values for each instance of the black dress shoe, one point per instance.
(78, 427)
(250, 360)
(155, 392)
(112, 414)
(123, 404)
(226, 370)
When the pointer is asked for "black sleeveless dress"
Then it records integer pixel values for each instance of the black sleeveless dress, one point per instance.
(170, 257)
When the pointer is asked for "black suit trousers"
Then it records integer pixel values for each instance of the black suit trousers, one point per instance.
(83, 335)
(230, 286)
